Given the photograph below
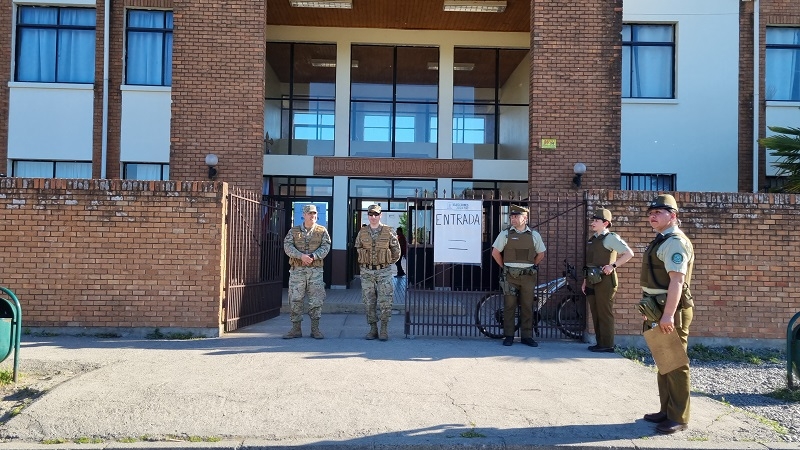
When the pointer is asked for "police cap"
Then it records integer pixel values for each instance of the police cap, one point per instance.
(663, 201)
(517, 209)
(602, 214)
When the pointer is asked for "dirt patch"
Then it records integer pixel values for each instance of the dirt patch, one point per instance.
(34, 379)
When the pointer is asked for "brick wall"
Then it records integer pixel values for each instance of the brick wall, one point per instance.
(5, 77)
(575, 93)
(218, 90)
(111, 253)
(747, 260)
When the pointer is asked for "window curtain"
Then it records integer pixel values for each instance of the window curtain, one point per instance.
(73, 170)
(783, 64)
(149, 50)
(76, 47)
(33, 169)
(36, 59)
(647, 69)
(142, 171)
(59, 54)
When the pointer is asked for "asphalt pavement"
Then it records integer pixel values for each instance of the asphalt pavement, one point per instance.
(251, 389)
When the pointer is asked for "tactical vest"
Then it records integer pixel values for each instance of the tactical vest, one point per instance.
(519, 247)
(307, 244)
(654, 273)
(596, 254)
(375, 252)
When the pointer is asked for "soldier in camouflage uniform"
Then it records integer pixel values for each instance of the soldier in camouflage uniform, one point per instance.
(306, 245)
(377, 248)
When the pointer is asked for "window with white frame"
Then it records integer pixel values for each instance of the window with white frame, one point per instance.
(648, 61)
(783, 64)
(149, 48)
(55, 45)
(51, 169)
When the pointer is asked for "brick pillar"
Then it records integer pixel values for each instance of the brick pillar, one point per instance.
(218, 90)
(575, 80)
(5, 77)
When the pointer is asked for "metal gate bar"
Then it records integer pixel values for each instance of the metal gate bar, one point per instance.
(254, 266)
(442, 299)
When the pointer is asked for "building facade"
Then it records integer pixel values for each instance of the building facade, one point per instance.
(351, 102)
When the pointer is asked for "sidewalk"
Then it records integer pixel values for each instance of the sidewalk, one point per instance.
(254, 390)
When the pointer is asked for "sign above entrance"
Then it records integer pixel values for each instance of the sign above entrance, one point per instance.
(457, 231)
(392, 167)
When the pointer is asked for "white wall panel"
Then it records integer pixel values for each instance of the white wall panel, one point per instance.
(696, 134)
(146, 114)
(50, 122)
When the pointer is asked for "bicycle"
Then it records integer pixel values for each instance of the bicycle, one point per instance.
(569, 318)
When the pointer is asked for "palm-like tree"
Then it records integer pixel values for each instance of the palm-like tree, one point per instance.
(786, 147)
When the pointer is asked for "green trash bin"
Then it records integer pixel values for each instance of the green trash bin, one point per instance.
(10, 326)
(793, 351)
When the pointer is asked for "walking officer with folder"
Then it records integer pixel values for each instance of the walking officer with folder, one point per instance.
(666, 276)
(518, 250)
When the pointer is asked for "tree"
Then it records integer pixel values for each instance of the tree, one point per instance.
(786, 147)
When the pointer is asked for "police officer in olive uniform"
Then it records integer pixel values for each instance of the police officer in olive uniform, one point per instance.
(518, 250)
(378, 249)
(605, 251)
(667, 269)
(306, 245)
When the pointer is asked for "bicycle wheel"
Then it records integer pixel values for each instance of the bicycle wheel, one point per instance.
(489, 316)
(570, 317)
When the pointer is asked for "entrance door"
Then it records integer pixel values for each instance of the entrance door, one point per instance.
(393, 213)
(294, 216)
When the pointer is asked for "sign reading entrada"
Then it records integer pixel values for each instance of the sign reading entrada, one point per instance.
(393, 167)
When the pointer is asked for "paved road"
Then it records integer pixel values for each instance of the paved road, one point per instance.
(255, 390)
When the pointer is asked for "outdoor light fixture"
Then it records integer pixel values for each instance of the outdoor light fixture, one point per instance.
(337, 4)
(474, 6)
(579, 169)
(331, 63)
(211, 162)
(465, 67)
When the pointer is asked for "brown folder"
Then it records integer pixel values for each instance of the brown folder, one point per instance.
(667, 350)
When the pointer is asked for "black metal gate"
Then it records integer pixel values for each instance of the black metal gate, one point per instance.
(443, 299)
(254, 267)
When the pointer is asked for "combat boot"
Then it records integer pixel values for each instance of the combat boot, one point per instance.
(315, 333)
(373, 332)
(295, 332)
(384, 334)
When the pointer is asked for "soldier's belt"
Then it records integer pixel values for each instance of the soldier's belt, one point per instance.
(519, 271)
(376, 267)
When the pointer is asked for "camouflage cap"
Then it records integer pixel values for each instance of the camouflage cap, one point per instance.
(374, 208)
(663, 201)
(309, 208)
(517, 209)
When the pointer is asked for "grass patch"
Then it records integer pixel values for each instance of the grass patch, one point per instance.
(54, 441)
(472, 434)
(6, 377)
(785, 394)
(88, 440)
(702, 353)
(730, 353)
(175, 335)
(128, 440)
(633, 353)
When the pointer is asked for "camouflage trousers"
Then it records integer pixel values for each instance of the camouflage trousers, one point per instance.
(302, 281)
(377, 293)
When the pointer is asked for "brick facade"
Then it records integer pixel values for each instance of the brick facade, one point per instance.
(5, 77)
(114, 254)
(744, 280)
(575, 93)
(218, 90)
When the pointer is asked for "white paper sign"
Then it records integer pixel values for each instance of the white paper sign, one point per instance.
(457, 231)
